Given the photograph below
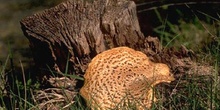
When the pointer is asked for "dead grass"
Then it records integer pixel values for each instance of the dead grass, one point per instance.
(196, 88)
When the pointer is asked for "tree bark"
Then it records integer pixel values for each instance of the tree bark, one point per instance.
(75, 31)
(66, 37)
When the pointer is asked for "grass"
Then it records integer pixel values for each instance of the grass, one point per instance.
(198, 92)
(192, 91)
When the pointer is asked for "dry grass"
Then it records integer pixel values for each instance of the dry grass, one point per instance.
(197, 88)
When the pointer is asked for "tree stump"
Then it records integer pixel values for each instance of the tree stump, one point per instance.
(75, 31)
(66, 37)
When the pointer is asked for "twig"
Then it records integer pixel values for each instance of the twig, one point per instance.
(65, 107)
(213, 36)
(170, 4)
(25, 88)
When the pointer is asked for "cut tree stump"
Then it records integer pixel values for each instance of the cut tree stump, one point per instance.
(69, 35)
(77, 30)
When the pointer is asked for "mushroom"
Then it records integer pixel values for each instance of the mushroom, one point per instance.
(122, 77)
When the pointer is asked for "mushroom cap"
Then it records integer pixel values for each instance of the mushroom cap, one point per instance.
(120, 75)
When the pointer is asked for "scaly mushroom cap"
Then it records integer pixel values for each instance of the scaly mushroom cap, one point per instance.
(120, 76)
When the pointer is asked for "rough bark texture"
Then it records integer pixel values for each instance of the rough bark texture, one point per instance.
(76, 31)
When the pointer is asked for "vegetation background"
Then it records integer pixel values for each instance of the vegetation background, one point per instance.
(11, 37)
(192, 24)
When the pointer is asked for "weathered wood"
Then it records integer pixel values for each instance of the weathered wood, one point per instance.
(77, 30)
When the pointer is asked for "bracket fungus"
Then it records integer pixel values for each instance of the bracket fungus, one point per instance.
(120, 77)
